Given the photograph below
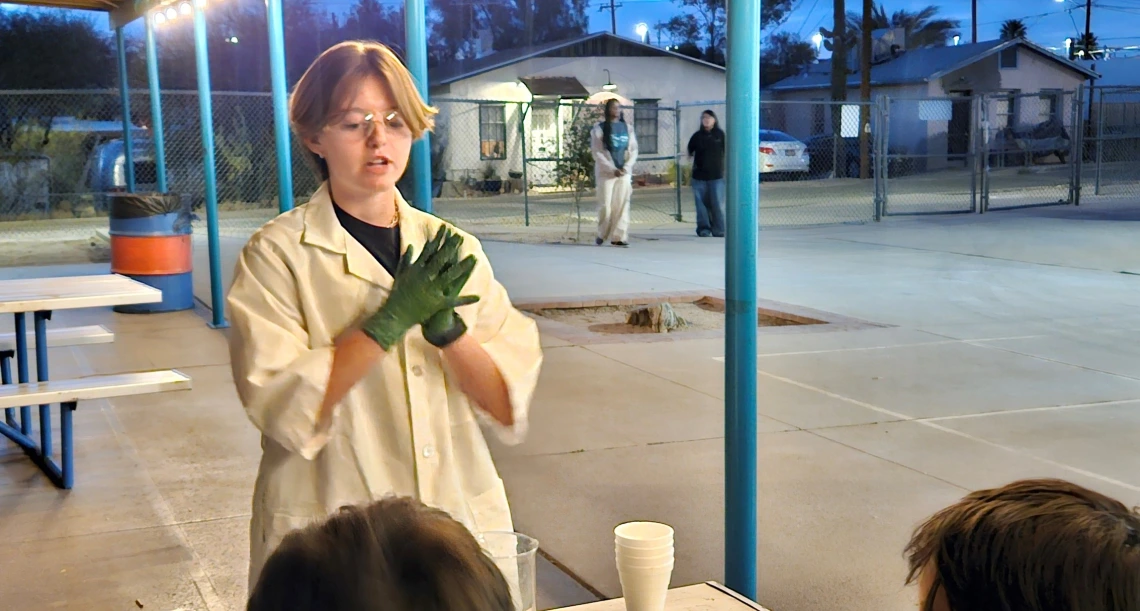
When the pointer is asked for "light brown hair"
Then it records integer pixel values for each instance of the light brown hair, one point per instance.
(329, 83)
(396, 554)
(1032, 545)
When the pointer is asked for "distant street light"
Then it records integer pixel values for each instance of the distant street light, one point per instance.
(817, 40)
(643, 32)
(956, 39)
(233, 40)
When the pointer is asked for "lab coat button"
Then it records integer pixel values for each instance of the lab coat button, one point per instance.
(417, 371)
(428, 452)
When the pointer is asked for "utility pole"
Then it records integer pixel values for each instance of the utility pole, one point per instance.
(1088, 29)
(838, 88)
(865, 91)
(612, 8)
(973, 21)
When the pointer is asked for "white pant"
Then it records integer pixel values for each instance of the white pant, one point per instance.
(613, 207)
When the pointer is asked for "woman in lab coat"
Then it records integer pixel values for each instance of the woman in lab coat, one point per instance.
(614, 146)
(371, 339)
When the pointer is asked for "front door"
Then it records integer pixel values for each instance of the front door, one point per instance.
(958, 132)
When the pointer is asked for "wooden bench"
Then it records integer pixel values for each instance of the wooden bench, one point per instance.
(68, 393)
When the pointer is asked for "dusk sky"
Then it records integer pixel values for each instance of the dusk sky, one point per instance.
(1050, 22)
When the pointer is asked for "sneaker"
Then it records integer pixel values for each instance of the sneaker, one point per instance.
(704, 234)
(621, 244)
(598, 241)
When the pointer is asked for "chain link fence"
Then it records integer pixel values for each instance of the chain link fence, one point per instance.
(1031, 144)
(931, 156)
(1112, 145)
(500, 167)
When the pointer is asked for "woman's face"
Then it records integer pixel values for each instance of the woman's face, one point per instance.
(612, 109)
(367, 144)
(707, 121)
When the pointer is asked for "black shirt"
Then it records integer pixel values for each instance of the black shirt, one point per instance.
(707, 148)
(382, 242)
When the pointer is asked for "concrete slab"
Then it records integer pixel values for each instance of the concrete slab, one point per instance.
(948, 379)
(620, 406)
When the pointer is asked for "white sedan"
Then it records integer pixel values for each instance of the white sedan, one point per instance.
(782, 154)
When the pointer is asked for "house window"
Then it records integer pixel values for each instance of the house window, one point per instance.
(1050, 104)
(493, 131)
(645, 125)
(1008, 58)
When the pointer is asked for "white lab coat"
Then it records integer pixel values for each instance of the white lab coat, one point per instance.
(406, 428)
(613, 192)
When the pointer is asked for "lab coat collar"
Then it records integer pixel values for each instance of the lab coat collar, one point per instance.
(323, 230)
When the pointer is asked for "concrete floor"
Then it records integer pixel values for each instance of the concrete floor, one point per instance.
(1009, 350)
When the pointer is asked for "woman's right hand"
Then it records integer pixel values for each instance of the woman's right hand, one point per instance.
(422, 288)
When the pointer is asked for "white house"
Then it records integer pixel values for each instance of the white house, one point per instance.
(482, 102)
(931, 91)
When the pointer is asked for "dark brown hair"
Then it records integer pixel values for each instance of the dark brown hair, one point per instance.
(1032, 545)
(394, 555)
(331, 80)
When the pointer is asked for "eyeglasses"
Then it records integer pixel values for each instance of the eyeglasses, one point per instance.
(358, 124)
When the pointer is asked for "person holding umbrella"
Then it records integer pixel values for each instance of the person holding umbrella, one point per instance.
(614, 147)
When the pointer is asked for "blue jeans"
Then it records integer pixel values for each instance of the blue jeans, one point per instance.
(709, 196)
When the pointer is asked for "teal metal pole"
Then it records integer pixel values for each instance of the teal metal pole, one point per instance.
(209, 162)
(415, 26)
(743, 207)
(157, 137)
(280, 104)
(125, 97)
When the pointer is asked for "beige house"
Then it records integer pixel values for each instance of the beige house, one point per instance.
(489, 105)
(932, 93)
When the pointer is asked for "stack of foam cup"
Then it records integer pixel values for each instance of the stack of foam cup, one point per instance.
(645, 564)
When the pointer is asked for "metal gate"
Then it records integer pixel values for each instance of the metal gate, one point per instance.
(929, 156)
(1032, 145)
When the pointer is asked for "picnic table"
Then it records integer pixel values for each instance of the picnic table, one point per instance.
(40, 297)
(708, 596)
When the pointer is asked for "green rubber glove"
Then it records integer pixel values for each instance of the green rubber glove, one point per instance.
(420, 289)
(445, 326)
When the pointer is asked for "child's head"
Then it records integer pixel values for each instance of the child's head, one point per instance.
(1033, 545)
(396, 554)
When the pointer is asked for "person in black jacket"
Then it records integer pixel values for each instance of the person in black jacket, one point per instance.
(706, 148)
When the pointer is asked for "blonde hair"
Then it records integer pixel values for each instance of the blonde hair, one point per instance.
(324, 90)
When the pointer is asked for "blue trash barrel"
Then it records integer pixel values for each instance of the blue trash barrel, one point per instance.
(151, 241)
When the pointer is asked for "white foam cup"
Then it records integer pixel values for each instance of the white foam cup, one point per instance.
(643, 535)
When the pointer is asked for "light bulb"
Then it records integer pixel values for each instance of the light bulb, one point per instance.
(171, 13)
(185, 8)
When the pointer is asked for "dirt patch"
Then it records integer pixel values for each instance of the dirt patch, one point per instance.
(701, 315)
(20, 254)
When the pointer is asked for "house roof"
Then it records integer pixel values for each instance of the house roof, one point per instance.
(921, 65)
(561, 86)
(601, 44)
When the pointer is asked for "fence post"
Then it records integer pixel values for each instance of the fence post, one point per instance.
(1099, 134)
(984, 148)
(523, 108)
(877, 154)
(886, 156)
(677, 156)
(974, 145)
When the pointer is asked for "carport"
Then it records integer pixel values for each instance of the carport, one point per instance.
(742, 207)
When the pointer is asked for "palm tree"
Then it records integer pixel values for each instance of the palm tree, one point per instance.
(1090, 46)
(1013, 29)
(923, 28)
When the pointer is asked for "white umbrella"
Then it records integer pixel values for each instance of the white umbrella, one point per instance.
(602, 97)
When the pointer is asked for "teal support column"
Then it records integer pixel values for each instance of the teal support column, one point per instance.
(157, 137)
(125, 96)
(415, 25)
(743, 207)
(209, 163)
(280, 104)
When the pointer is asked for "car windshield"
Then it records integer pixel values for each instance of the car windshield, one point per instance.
(768, 135)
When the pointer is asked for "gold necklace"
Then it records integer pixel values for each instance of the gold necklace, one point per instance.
(395, 217)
